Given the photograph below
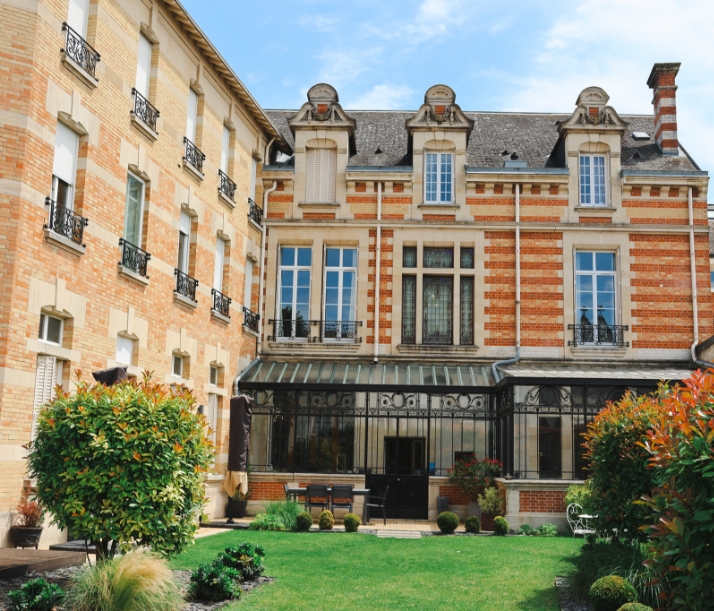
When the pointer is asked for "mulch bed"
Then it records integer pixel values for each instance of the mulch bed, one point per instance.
(565, 603)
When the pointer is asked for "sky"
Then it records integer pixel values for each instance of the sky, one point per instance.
(522, 55)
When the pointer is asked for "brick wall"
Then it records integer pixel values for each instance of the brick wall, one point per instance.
(542, 501)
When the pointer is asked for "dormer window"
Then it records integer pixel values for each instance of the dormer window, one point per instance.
(320, 183)
(439, 178)
(593, 180)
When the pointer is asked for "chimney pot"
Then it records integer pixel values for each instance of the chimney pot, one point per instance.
(664, 100)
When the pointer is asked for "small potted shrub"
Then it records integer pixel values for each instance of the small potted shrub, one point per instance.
(500, 526)
(491, 506)
(473, 476)
(326, 520)
(448, 522)
(352, 522)
(611, 592)
(472, 525)
(28, 527)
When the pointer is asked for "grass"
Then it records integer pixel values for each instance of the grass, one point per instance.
(341, 572)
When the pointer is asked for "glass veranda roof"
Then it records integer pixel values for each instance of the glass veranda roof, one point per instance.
(364, 375)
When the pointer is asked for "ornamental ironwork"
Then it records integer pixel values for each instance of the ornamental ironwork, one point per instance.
(292, 329)
(251, 320)
(465, 402)
(193, 155)
(144, 110)
(332, 399)
(227, 186)
(66, 223)
(80, 51)
(185, 285)
(255, 212)
(467, 258)
(440, 258)
(340, 330)
(221, 303)
(409, 256)
(399, 401)
(600, 334)
(134, 258)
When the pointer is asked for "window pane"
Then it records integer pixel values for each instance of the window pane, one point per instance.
(467, 311)
(349, 257)
(43, 321)
(213, 378)
(467, 258)
(332, 258)
(445, 194)
(585, 180)
(430, 177)
(304, 256)
(132, 223)
(438, 309)
(408, 309)
(439, 257)
(178, 365)
(54, 330)
(605, 261)
(409, 256)
(583, 261)
(599, 181)
(287, 256)
(125, 348)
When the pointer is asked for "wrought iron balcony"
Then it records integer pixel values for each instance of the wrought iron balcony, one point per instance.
(134, 258)
(193, 155)
(80, 51)
(251, 320)
(329, 331)
(227, 186)
(255, 212)
(221, 303)
(66, 223)
(292, 329)
(185, 285)
(144, 110)
(345, 330)
(599, 335)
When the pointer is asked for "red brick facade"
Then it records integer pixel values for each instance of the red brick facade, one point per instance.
(542, 501)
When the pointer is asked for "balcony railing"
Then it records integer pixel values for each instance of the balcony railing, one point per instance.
(80, 51)
(251, 320)
(221, 303)
(145, 110)
(255, 212)
(66, 223)
(227, 186)
(193, 155)
(599, 335)
(328, 331)
(345, 331)
(134, 258)
(185, 285)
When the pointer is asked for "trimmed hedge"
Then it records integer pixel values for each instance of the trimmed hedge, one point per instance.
(303, 522)
(326, 520)
(352, 522)
(448, 522)
(611, 592)
(500, 526)
(472, 525)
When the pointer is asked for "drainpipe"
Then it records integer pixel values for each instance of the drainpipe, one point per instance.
(693, 266)
(262, 265)
(266, 158)
(237, 379)
(377, 273)
(515, 359)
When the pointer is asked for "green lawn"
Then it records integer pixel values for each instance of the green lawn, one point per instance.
(340, 572)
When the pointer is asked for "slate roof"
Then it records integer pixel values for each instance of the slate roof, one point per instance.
(531, 135)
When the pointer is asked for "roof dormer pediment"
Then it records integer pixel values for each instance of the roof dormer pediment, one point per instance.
(440, 110)
(322, 110)
(592, 112)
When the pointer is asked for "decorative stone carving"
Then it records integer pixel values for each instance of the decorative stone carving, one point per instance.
(323, 105)
(440, 107)
(592, 110)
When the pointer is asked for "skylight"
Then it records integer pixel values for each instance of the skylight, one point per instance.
(640, 136)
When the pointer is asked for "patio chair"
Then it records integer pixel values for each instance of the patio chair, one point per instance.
(578, 524)
(316, 496)
(342, 497)
(378, 502)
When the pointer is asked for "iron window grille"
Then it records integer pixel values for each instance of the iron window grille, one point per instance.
(467, 311)
(66, 223)
(409, 256)
(439, 258)
(255, 212)
(251, 320)
(144, 110)
(193, 155)
(599, 335)
(185, 285)
(80, 51)
(467, 258)
(438, 310)
(227, 186)
(221, 303)
(408, 309)
(134, 258)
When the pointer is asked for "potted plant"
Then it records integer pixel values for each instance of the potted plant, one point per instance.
(491, 506)
(473, 476)
(237, 505)
(28, 524)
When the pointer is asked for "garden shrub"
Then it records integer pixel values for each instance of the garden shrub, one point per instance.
(36, 595)
(326, 520)
(123, 464)
(247, 559)
(580, 494)
(500, 526)
(214, 582)
(618, 465)
(303, 522)
(682, 464)
(286, 511)
(611, 592)
(137, 581)
(635, 607)
(473, 476)
(472, 525)
(352, 522)
(263, 521)
(526, 529)
(448, 522)
(490, 502)
(547, 530)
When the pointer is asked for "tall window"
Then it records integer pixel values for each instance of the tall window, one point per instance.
(78, 16)
(192, 114)
(143, 66)
(253, 179)
(408, 309)
(340, 293)
(595, 296)
(64, 166)
(219, 270)
(184, 243)
(438, 309)
(133, 220)
(294, 302)
(439, 178)
(225, 149)
(467, 311)
(593, 180)
(125, 350)
(321, 168)
(248, 292)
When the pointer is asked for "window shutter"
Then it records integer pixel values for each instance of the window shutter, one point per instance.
(224, 149)
(192, 112)
(253, 173)
(329, 169)
(310, 195)
(45, 381)
(134, 196)
(65, 161)
(212, 414)
(220, 263)
(78, 15)
(143, 66)
(247, 297)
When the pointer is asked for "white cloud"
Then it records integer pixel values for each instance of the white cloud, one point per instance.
(342, 66)
(318, 23)
(381, 97)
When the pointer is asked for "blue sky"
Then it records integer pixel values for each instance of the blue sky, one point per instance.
(517, 55)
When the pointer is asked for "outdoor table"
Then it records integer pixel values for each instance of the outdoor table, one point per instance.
(295, 492)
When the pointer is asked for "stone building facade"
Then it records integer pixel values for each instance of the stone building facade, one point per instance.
(127, 179)
(441, 283)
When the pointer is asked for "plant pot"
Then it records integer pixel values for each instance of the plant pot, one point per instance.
(236, 509)
(26, 536)
(487, 521)
(474, 509)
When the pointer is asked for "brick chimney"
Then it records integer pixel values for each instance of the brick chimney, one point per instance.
(661, 81)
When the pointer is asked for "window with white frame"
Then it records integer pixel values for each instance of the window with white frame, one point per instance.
(143, 66)
(213, 375)
(133, 219)
(225, 149)
(64, 166)
(438, 178)
(593, 180)
(294, 293)
(184, 242)
(51, 329)
(78, 16)
(125, 350)
(340, 294)
(320, 180)
(192, 116)
(219, 268)
(595, 297)
(248, 289)
(177, 366)
(253, 177)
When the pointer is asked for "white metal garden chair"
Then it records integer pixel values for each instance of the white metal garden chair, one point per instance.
(578, 521)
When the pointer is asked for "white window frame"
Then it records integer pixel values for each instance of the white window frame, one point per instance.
(42, 336)
(213, 375)
(78, 10)
(124, 343)
(192, 116)
(278, 302)
(594, 273)
(220, 264)
(606, 180)
(439, 182)
(211, 415)
(248, 284)
(253, 177)
(340, 270)
(143, 65)
(177, 358)
(132, 176)
(64, 165)
(45, 385)
(184, 242)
